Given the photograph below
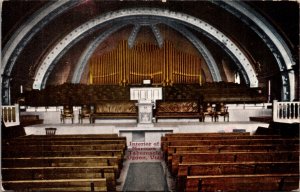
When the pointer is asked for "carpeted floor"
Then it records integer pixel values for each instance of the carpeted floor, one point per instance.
(145, 176)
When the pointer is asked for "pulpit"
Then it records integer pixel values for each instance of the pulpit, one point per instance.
(146, 97)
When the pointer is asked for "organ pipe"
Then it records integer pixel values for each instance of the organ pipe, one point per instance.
(165, 65)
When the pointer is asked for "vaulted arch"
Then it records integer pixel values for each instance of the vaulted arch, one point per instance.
(241, 10)
(184, 19)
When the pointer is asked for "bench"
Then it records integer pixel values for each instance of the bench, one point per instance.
(96, 184)
(177, 110)
(228, 157)
(50, 173)
(236, 168)
(60, 161)
(30, 159)
(115, 110)
(170, 135)
(66, 147)
(26, 120)
(66, 142)
(102, 136)
(249, 182)
(206, 134)
(228, 137)
(62, 153)
(193, 137)
(165, 144)
(227, 148)
(197, 160)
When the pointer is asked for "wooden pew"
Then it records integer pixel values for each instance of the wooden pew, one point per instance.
(42, 153)
(55, 157)
(26, 120)
(223, 148)
(236, 168)
(50, 173)
(214, 137)
(206, 134)
(59, 185)
(65, 147)
(166, 140)
(65, 142)
(166, 144)
(251, 182)
(227, 148)
(113, 135)
(64, 138)
(232, 157)
(60, 161)
(214, 155)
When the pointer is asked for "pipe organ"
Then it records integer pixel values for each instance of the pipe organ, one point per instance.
(130, 66)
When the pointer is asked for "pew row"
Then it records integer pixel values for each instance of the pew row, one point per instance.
(30, 159)
(60, 161)
(196, 169)
(166, 144)
(229, 162)
(67, 137)
(249, 183)
(51, 173)
(59, 185)
(51, 153)
(65, 147)
(228, 157)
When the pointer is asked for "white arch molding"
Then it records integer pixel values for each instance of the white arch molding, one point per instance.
(271, 38)
(180, 17)
(239, 9)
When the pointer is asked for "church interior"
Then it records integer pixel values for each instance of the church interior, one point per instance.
(158, 95)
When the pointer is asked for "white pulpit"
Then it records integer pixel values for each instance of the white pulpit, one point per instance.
(145, 108)
(146, 97)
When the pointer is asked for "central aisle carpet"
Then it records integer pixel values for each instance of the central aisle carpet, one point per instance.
(145, 177)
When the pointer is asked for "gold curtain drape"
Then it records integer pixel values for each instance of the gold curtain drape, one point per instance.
(165, 66)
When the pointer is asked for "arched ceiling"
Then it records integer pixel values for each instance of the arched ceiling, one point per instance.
(51, 36)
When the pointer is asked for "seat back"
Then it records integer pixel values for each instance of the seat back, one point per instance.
(85, 110)
(67, 110)
(221, 107)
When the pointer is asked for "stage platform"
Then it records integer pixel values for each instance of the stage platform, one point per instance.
(151, 134)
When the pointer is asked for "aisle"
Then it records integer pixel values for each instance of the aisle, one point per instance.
(145, 176)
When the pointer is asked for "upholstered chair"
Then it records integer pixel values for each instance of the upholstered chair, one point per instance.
(221, 110)
(208, 111)
(85, 113)
(67, 112)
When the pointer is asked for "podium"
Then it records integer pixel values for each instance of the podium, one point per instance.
(146, 97)
(145, 113)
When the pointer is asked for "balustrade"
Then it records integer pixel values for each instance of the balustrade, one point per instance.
(11, 115)
(286, 112)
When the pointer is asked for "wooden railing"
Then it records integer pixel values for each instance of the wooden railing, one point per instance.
(11, 115)
(286, 112)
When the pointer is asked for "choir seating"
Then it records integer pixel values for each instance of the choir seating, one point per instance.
(232, 162)
(79, 94)
(114, 110)
(62, 162)
(178, 110)
(67, 113)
